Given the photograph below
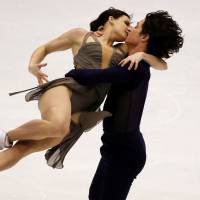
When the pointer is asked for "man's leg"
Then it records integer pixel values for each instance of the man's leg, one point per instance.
(111, 182)
(118, 167)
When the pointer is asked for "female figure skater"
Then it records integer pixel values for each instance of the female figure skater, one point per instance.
(63, 100)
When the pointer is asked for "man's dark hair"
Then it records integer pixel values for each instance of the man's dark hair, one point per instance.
(164, 34)
(103, 17)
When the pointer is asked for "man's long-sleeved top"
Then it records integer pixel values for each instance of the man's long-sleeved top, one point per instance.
(127, 95)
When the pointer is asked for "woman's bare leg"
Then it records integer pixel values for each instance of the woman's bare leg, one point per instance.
(9, 157)
(55, 108)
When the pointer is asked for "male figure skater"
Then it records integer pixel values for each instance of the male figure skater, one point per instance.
(123, 152)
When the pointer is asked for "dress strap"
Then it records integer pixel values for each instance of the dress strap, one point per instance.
(94, 37)
(87, 35)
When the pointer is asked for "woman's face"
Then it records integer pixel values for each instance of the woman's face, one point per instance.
(120, 28)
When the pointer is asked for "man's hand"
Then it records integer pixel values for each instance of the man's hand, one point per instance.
(133, 59)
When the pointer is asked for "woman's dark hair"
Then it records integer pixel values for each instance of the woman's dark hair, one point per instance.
(164, 34)
(103, 18)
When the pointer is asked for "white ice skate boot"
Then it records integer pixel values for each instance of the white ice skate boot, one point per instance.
(4, 142)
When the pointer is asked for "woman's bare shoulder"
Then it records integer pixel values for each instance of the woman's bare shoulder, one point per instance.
(75, 35)
(77, 32)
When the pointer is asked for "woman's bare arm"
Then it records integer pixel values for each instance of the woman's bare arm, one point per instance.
(134, 59)
(155, 62)
(69, 40)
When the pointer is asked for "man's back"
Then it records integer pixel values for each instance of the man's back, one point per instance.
(123, 153)
(126, 103)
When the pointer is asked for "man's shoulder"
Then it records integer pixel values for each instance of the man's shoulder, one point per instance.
(143, 68)
(144, 64)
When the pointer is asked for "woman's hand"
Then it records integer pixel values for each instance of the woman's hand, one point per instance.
(35, 69)
(134, 60)
(99, 32)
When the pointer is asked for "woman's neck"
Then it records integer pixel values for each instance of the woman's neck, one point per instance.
(107, 38)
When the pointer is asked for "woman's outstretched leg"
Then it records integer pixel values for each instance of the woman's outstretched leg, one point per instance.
(55, 108)
(9, 157)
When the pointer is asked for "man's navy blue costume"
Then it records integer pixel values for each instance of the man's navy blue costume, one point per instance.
(123, 152)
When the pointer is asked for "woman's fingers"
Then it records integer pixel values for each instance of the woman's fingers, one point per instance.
(131, 65)
(35, 69)
(120, 63)
(124, 62)
(42, 65)
(42, 74)
(42, 79)
(98, 34)
(39, 81)
(45, 79)
(136, 65)
(134, 61)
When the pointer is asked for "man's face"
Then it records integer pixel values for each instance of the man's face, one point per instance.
(134, 36)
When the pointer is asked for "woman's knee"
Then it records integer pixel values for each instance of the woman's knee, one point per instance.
(58, 121)
(59, 129)
(63, 129)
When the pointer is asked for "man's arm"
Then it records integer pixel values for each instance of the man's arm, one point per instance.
(116, 75)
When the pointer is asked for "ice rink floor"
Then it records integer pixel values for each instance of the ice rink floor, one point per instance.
(170, 123)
